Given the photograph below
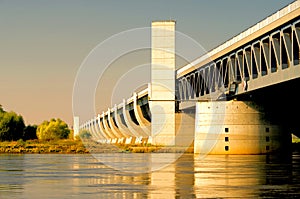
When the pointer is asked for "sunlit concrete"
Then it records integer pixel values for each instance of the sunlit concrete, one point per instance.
(162, 96)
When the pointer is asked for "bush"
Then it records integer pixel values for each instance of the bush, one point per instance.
(53, 130)
(84, 134)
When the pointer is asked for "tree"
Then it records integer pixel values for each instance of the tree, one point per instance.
(52, 130)
(11, 126)
(30, 132)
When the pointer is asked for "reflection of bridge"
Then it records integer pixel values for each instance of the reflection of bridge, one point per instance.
(238, 98)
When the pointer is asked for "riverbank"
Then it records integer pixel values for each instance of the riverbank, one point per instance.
(69, 146)
(37, 146)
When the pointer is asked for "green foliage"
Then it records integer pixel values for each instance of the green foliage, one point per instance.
(21, 142)
(52, 130)
(30, 132)
(71, 134)
(11, 126)
(84, 134)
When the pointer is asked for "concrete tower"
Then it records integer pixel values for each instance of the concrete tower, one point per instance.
(76, 126)
(162, 95)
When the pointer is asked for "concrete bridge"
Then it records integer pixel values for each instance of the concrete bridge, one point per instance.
(239, 98)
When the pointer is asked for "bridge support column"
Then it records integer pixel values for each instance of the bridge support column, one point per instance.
(76, 127)
(236, 127)
(162, 95)
(185, 129)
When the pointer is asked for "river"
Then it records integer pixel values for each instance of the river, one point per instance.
(190, 176)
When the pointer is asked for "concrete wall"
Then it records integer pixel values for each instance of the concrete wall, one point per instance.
(236, 127)
(185, 129)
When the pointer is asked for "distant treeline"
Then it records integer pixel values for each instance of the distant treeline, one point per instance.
(13, 128)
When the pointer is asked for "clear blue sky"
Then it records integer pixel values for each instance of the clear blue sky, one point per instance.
(43, 42)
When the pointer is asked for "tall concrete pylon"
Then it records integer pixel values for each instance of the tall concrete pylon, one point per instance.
(162, 95)
(76, 127)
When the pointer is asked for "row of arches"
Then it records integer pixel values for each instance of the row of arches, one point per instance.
(128, 122)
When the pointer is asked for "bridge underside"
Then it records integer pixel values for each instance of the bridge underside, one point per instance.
(281, 103)
(255, 122)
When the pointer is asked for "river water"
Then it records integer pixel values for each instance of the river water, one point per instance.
(190, 176)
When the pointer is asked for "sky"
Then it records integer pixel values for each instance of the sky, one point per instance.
(43, 43)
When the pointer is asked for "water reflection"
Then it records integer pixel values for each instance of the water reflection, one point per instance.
(12, 173)
(137, 162)
(215, 176)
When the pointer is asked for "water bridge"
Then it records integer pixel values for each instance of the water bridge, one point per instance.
(239, 98)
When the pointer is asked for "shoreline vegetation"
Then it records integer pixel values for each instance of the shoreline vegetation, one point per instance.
(69, 146)
(39, 146)
(85, 146)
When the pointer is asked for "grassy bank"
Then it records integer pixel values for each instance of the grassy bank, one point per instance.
(66, 146)
(37, 146)
(148, 148)
(78, 146)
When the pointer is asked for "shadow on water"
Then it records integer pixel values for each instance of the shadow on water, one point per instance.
(282, 173)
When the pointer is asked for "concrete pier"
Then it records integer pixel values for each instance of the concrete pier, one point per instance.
(236, 127)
